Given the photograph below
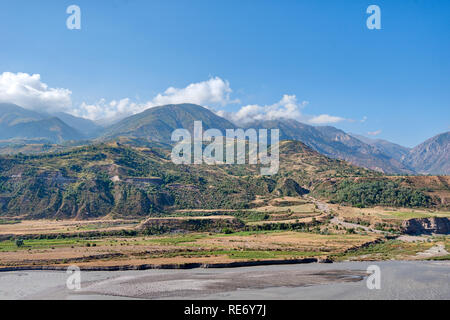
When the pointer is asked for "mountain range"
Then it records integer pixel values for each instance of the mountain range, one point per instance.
(157, 124)
(19, 123)
(335, 143)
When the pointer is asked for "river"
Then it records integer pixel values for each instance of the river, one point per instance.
(347, 280)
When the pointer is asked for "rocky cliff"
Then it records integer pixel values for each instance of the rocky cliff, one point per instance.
(427, 226)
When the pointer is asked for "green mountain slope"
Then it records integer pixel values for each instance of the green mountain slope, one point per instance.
(157, 124)
(17, 123)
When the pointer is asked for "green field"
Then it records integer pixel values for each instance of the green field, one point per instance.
(391, 249)
(4, 221)
(413, 215)
(32, 244)
(242, 254)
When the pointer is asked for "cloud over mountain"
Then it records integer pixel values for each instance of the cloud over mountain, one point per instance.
(30, 92)
(287, 107)
(214, 91)
(374, 133)
(324, 119)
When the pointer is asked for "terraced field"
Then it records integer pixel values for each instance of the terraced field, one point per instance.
(179, 249)
(283, 228)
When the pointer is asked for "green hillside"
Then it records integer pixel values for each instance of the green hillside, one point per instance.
(127, 181)
(157, 124)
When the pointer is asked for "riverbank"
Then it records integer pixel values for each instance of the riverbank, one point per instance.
(185, 266)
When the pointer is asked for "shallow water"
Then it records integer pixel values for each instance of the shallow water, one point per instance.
(348, 280)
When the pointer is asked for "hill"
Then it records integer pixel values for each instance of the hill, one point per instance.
(104, 179)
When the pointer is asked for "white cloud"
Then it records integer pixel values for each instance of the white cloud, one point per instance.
(29, 92)
(324, 119)
(287, 108)
(374, 133)
(109, 110)
(214, 91)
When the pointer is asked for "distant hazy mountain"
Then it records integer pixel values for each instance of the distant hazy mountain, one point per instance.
(158, 123)
(335, 143)
(391, 149)
(11, 114)
(432, 156)
(19, 123)
(88, 127)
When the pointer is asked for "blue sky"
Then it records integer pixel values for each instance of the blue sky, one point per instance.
(394, 81)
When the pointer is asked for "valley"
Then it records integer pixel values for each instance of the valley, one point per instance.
(286, 230)
(192, 150)
(118, 202)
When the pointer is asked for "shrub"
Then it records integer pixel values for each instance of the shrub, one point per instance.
(227, 231)
(19, 243)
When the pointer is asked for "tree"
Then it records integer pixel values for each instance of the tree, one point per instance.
(19, 243)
